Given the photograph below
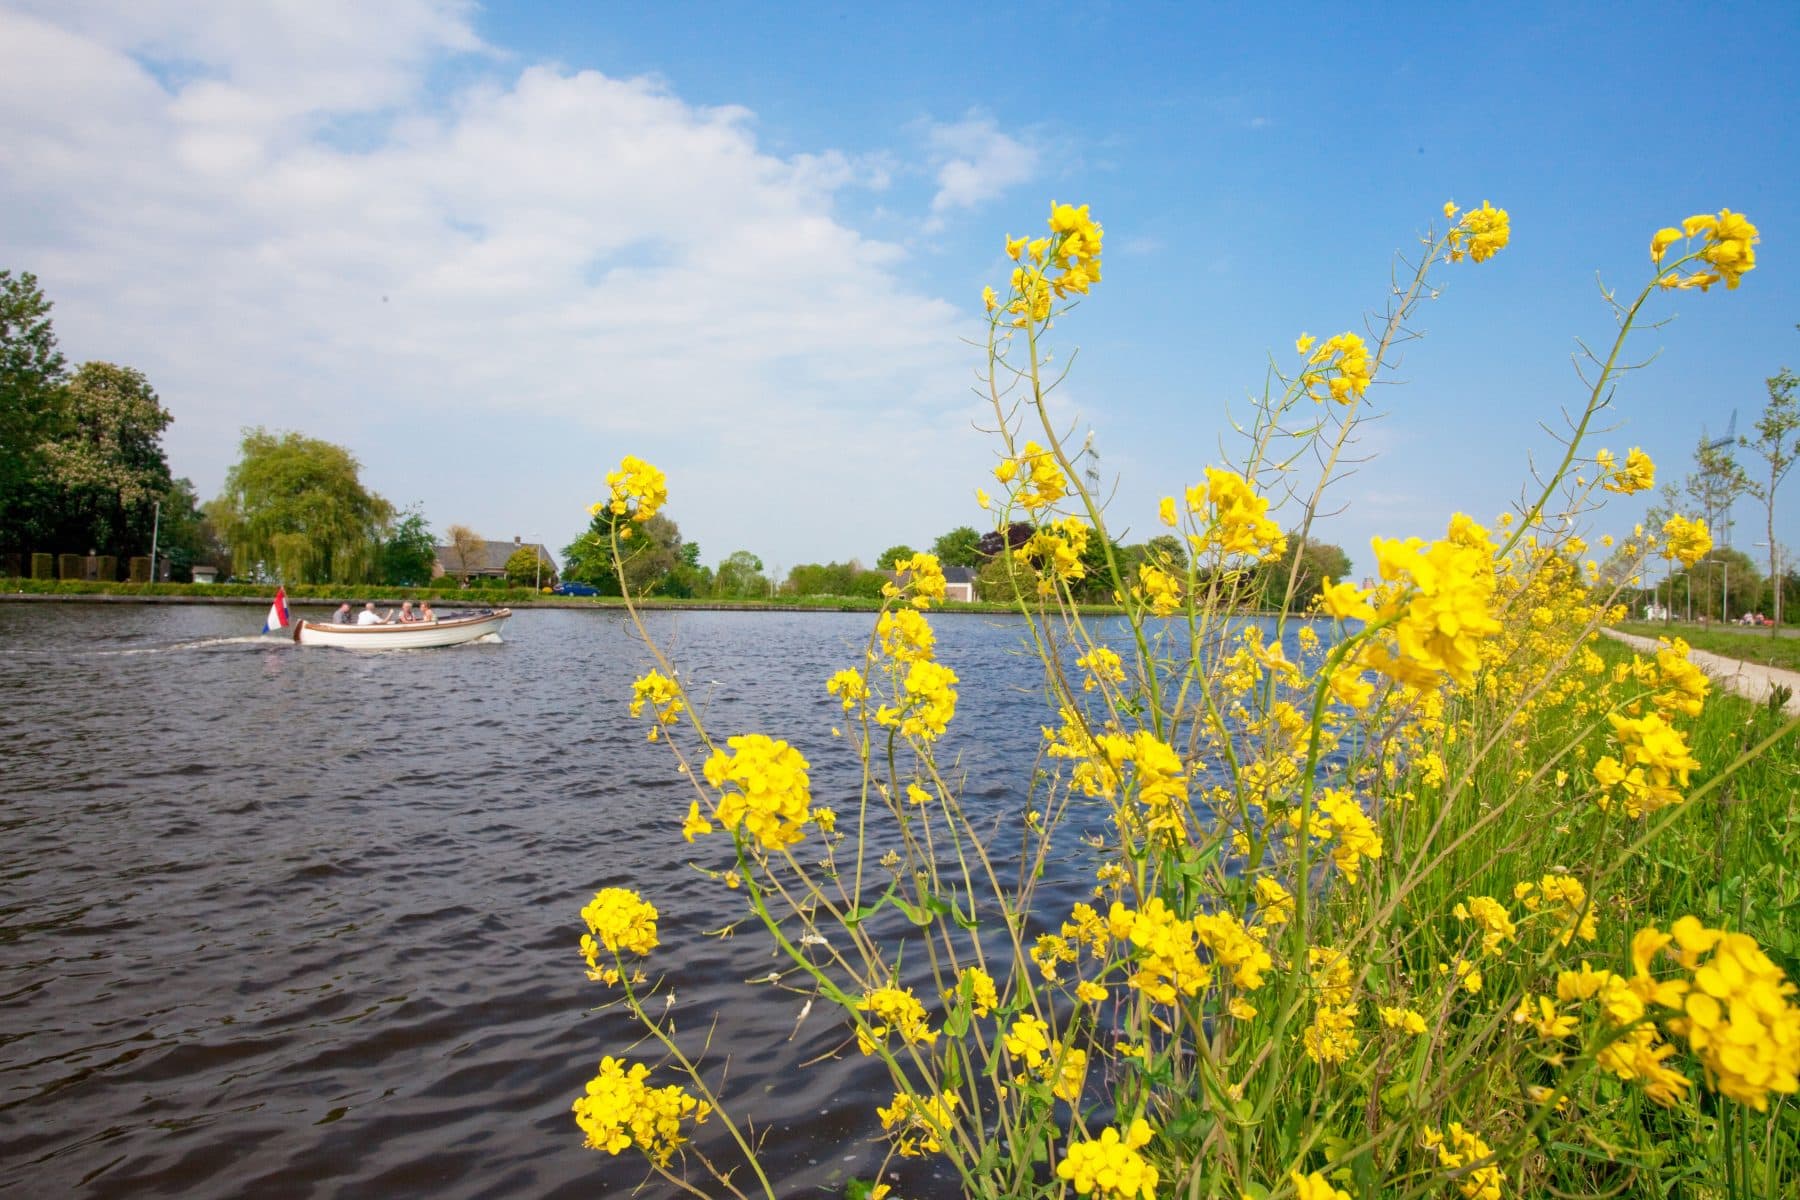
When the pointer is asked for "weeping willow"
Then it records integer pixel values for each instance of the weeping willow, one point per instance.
(295, 506)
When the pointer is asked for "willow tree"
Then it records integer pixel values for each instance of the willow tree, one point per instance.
(295, 506)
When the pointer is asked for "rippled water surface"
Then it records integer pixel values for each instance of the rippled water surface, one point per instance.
(287, 921)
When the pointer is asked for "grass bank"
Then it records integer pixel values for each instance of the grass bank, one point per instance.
(1746, 645)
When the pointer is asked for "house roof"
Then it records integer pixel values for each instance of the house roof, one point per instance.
(491, 558)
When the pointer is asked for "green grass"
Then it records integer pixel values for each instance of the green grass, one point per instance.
(1747, 645)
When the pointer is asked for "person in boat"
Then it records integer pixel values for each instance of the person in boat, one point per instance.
(425, 613)
(342, 616)
(368, 616)
(406, 613)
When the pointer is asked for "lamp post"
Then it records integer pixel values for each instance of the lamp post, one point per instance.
(537, 573)
(155, 529)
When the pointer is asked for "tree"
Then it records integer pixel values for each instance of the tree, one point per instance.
(1166, 550)
(185, 536)
(892, 555)
(650, 554)
(526, 567)
(994, 541)
(104, 470)
(1714, 487)
(468, 548)
(1775, 445)
(959, 548)
(31, 375)
(408, 550)
(1317, 561)
(740, 576)
(297, 505)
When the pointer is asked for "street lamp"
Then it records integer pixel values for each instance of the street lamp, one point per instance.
(537, 574)
(1774, 549)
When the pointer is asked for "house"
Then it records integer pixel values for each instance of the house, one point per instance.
(959, 582)
(488, 560)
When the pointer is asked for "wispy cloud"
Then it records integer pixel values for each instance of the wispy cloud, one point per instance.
(278, 214)
(976, 162)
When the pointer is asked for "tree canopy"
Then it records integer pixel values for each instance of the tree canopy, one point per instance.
(103, 467)
(961, 547)
(31, 374)
(296, 506)
(408, 550)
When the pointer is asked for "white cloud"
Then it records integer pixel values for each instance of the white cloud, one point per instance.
(489, 295)
(976, 162)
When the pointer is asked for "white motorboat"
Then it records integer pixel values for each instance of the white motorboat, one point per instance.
(416, 635)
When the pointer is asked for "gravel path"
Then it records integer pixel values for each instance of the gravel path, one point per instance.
(1753, 681)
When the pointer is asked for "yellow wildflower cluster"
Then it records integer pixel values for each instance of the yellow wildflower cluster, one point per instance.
(638, 490)
(1236, 947)
(1158, 589)
(1110, 1166)
(1168, 966)
(620, 921)
(895, 1010)
(927, 702)
(1056, 550)
(1637, 475)
(661, 693)
(1044, 481)
(1736, 1009)
(918, 1125)
(1562, 897)
(1339, 821)
(905, 636)
(1315, 1187)
(1160, 778)
(1234, 518)
(1332, 1037)
(923, 577)
(620, 1109)
(1727, 248)
(1633, 1048)
(1442, 596)
(764, 790)
(1496, 923)
(1340, 363)
(1686, 539)
(979, 987)
(1460, 1148)
(849, 686)
(1481, 232)
(1403, 1019)
(1075, 250)
(1656, 762)
(1103, 667)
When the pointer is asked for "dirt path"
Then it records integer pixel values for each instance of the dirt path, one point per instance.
(1753, 681)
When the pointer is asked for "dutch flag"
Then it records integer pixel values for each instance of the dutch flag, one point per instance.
(278, 614)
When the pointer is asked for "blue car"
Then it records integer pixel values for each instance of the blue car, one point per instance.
(575, 589)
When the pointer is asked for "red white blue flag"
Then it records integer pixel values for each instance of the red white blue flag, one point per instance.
(278, 615)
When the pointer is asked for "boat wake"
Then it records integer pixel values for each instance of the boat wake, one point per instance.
(267, 639)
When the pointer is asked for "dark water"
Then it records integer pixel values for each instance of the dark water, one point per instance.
(294, 921)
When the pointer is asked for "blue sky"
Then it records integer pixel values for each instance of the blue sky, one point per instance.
(492, 248)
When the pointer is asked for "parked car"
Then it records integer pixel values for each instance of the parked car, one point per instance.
(575, 589)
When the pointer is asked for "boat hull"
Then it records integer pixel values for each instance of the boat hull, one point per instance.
(402, 637)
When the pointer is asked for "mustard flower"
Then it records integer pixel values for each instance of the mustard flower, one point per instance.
(622, 921)
(1480, 234)
(1028, 1040)
(1736, 1011)
(924, 578)
(850, 687)
(1496, 924)
(927, 702)
(978, 985)
(894, 1010)
(1343, 365)
(1315, 1187)
(1403, 1019)
(918, 1126)
(1158, 589)
(1235, 947)
(1637, 475)
(638, 489)
(1110, 1166)
(1345, 601)
(620, 1110)
(765, 790)
(661, 693)
(1563, 897)
(905, 635)
(1331, 1038)
(1103, 667)
(1687, 540)
(1456, 1148)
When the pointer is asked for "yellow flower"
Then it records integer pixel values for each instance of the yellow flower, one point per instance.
(1165, 511)
(638, 489)
(982, 498)
(894, 1010)
(979, 986)
(695, 823)
(623, 922)
(1315, 1186)
(1403, 1019)
(1687, 540)
(1480, 234)
(988, 301)
(1111, 1167)
(1303, 343)
(1345, 601)
(1661, 241)
(620, 1110)
(659, 691)
(765, 791)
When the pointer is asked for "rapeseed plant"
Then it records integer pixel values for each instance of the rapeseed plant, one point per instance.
(1362, 911)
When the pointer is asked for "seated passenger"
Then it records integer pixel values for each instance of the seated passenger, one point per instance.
(368, 616)
(406, 613)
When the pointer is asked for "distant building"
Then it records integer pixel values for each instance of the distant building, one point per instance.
(959, 584)
(489, 561)
(206, 574)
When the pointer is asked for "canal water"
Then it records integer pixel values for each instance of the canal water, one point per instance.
(292, 921)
